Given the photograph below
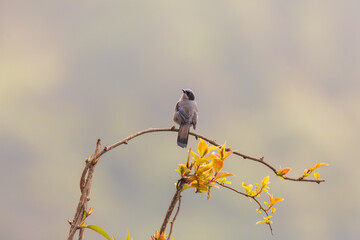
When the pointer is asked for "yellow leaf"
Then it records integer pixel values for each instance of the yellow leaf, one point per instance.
(255, 193)
(205, 166)
(211, 156)
(266, 220)
(84, 214)
(273, 200)
(212, 148)
(247, 188)
(273, 210)
(317, 166)
(157, 234)
(306, 173)
(188, 158)
(223, 153)
(90, 211)
(99, 230)
(127, 237)
(204, 170)
(218, 164)
(199, 185)
(222, 150)
(227, 154)
(317, 175)
(212, 185)
(283, 172)
(182, 169)
(223, 174)
(265, 182)
(321, 165)
(276, 200)
(163, 236)
(200, 161)
(195, 156)
(202, 148)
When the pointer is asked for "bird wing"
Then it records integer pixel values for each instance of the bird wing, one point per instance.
(183, 116)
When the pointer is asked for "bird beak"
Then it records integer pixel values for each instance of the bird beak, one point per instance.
(183, 90)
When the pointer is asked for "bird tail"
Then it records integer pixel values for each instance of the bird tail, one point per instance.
(183, 135)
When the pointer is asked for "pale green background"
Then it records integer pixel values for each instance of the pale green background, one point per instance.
(278, 79)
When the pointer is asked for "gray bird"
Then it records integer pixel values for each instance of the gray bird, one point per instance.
(186, 114)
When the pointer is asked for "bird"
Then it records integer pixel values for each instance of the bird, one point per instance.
(186, 115)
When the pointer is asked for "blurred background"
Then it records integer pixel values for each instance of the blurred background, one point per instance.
(278, 79)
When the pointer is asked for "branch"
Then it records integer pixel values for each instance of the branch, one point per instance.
(260, 160)
(175, 199)
(213, 142)
(173, 221)
(246, 195)
(85, 184)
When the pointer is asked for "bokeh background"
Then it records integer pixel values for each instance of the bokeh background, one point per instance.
(278, 79)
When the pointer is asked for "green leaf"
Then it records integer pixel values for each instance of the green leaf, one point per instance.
(99, 230)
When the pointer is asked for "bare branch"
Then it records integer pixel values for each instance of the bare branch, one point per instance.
(85, 186)
(173, 221)
(175, 199)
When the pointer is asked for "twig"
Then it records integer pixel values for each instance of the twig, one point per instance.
(150, 130)
(260, 160)
(172, 222)
(85, 186)
(246, 195)
(175, 199)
